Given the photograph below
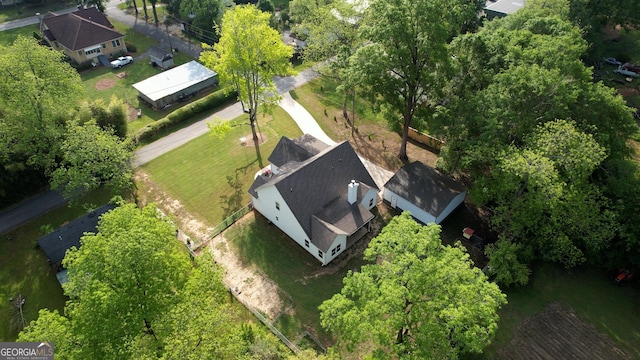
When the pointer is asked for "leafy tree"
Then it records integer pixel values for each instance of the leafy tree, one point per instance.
(250, 53)
(203, 15)
(505, 264)
(36, 92)
(92, 157)
(265, 6)
(111, 117)
(417, 299)
(99, 4)
(407, 61)
(50, 326)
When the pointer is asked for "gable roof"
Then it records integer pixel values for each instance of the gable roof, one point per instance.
(56, 243)
(159, 53)
(298, 149)
(79, 29)
(175, 80)
(316, 188)
(425, 187)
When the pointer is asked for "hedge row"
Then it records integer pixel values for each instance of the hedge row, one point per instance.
(186, 112)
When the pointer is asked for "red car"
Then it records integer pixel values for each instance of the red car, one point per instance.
(623, 276)
(631, 67)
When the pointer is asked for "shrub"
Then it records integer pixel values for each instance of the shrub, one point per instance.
(185, 113)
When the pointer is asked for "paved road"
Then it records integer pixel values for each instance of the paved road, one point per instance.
(31, 20)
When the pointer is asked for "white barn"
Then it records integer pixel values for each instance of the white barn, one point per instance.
(177, 84)
(427, 194)
(319, 195)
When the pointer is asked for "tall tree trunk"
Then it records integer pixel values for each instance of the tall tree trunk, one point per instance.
(135, 8)
(345, 114)
(144, 7)
(155, 14)
(402, 155)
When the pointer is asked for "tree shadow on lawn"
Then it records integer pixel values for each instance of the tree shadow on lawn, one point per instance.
(233, 201)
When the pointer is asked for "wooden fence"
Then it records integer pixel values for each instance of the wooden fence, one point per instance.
(426, 139)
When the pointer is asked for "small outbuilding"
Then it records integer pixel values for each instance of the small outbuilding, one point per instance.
(160, 57)
(427, 194)
(175, 85)
(56, 243)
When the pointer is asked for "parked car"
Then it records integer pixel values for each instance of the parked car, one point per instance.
(624, 72)
(121, 61)
(623, 275)
(612, 61)
(631, 67)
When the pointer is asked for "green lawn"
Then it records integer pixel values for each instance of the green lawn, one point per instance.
(211, 176)
(8, 36)
(19, 11)
(612, 309)
(24, 269)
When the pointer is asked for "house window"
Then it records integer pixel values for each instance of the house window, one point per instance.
(92, 51)
(104, 46)
(306, 243)
(371, 203)
(333, 252)
(115, 43)
(320, 253)
(338, 247)
(277, 205)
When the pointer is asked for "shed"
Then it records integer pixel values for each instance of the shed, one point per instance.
(427, 194)
(56, 243)
(160, 57)
(501, 8)
(177, 84)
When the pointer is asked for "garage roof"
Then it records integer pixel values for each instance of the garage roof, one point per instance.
(173, 81)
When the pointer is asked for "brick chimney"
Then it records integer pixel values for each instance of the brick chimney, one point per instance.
(352, 192)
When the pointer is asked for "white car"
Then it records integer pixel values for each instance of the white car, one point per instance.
(121, 61)
(624, 72)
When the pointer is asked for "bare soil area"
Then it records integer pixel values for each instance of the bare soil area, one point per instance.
(249, 285)
(557, 333)
(104, 84)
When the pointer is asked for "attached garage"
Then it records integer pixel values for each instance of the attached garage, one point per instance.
(427, 194)
(175, 85)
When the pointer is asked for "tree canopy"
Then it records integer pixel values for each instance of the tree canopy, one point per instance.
(249, 54)
(406, 62)
(416, 299)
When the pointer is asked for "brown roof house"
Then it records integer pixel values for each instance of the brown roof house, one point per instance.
(427, 194)
(321, 196)
(83, 35)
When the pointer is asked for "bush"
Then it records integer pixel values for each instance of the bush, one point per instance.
(185, 113)
(131, 48)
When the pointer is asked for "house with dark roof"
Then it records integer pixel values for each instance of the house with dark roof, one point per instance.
(427, 194)
(56, 243)
(321, 196)
(83, 35)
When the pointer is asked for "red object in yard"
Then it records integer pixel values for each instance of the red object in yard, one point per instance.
(631, 67)
(623, 275)
(467, 232)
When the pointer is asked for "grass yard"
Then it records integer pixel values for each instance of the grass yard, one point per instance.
(613, 310)
(8, 36)
(19, 11)
(24, 268)
(211, 176)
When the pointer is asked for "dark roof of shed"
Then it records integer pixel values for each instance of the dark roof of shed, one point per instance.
(80, 29)
(309, 186)
(159, 53)
(298, 149)
(56, 243)
(425, 187)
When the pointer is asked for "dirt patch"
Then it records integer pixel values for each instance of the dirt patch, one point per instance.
(247, 140)
(251, 286)
(104, 84)
(557, 333)
(132, 113)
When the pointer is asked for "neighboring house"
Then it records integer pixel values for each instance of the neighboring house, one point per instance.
(319, 195)
(10, 2)
(160, 57)
(423, 191)
(83, 35)
(501, 8)
(177, 84)
(56, 243)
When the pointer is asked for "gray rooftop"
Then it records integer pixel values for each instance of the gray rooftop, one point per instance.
(309, 186)
(56, 243)
(503, 7)
(425, 187)
(298, 149)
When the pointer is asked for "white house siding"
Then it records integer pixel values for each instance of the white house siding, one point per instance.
(372, 194)
(452, 206)
(283, 218)
(340, 240)
(403, 204)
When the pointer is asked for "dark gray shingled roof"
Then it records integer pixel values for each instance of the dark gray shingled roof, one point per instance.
(299, 149)
(56, 243)
(308, 186)
(80, 29)
(425, 187)
(338, 217)
(159, 53)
